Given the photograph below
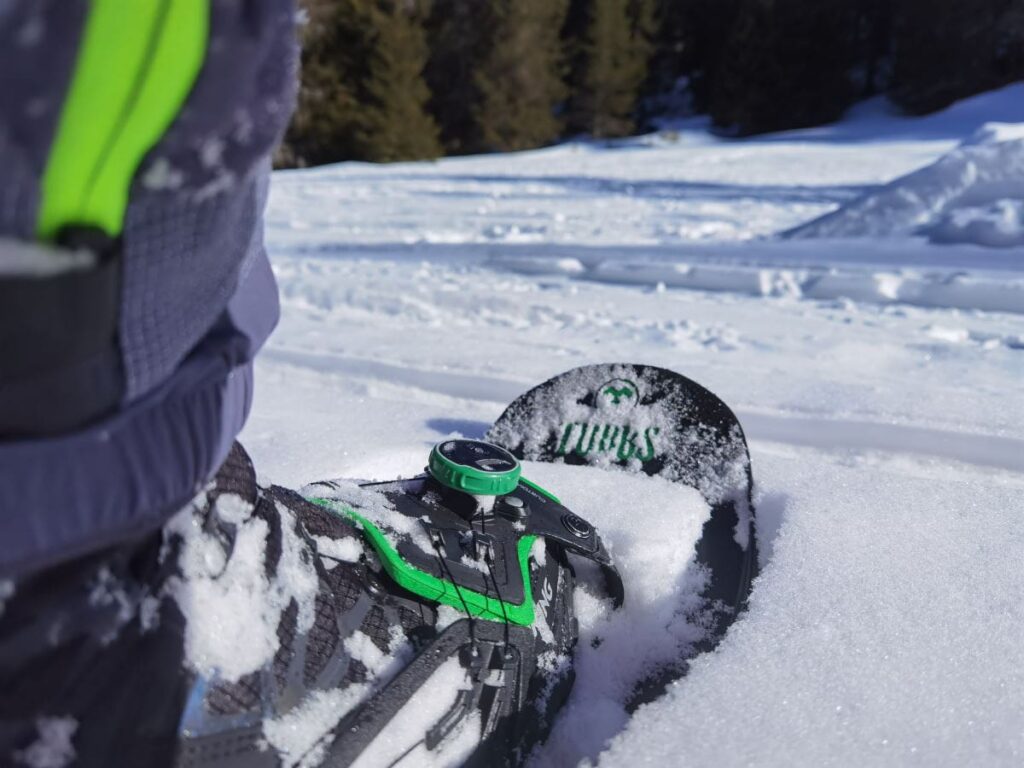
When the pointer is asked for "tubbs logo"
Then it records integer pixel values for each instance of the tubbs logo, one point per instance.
(617, 394)
(607, 435)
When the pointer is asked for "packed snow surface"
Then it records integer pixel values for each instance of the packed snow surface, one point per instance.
(878, 380)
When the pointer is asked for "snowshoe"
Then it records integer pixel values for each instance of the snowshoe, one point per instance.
(421, 621)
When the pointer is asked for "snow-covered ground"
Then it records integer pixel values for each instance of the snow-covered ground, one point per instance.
(879, 377)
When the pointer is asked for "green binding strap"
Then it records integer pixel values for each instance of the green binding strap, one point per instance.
(440, 590)
(136, 64)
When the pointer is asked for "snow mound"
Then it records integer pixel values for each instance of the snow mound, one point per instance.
(972, 194)
(998, 224)
(993, 133)
(662, 603)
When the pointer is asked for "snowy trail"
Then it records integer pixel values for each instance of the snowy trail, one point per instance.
(966, 277)
(839, 435)
(460, 385)
(830, 434)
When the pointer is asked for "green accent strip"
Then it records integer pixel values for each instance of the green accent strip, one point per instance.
(136, 64)
(440, 590)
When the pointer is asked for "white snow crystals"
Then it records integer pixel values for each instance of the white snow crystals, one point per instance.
(401, 743)
(52, 748)
(299, 735)
(655, 560)
(232, 608)
(374, 507)
(303, 734)
(107, 590)
(332, 551)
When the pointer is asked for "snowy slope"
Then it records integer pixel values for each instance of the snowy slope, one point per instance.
(952, 200)
(879, 380)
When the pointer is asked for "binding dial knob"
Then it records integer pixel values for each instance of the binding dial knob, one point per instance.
(473, 466)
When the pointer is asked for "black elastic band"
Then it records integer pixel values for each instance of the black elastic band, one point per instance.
(60, 363)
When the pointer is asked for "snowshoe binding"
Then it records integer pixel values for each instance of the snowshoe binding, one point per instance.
(420, 621)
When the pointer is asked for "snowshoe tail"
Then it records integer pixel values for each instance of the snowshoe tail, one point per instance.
(651, 420)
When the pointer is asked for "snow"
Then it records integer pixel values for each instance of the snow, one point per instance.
(974, 184)
(873, 638)
(400, 743)
(301, 735)
(105, 590)
(237, 608)
(52, 748)
(997, 224)
(332, 551)
(661, 595)
(878, 380)
(374, 507)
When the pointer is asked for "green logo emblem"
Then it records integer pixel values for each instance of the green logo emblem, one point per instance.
(617, 393)
(610, 433)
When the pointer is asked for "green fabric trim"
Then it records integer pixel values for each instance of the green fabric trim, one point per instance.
(136, 64)
(439, 590)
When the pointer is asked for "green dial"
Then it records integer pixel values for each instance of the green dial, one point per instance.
(476, 467)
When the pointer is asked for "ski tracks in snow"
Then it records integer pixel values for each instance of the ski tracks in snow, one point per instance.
(838, 376)
(827, 434)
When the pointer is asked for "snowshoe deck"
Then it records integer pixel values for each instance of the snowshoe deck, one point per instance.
(650, 420)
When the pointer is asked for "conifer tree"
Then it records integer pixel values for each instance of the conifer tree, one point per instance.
(520, 82)
(612, 66)
(708, 25)
(787, 64)
(873, 69)
(459, 35)
(322, 129)
(948, 49)
(394, 123)
(362, 94)
(671, 50)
